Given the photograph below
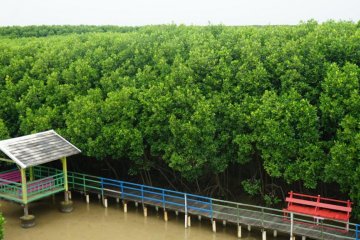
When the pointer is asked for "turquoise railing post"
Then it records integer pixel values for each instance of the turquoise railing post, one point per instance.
(84, 184)
(357, 231)
(102, 188)
(73, 180)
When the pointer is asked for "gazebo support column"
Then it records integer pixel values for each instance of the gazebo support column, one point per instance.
(67, 205)
(27, 220)
(31, 173)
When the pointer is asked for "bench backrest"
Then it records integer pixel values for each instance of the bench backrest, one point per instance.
(40, 184)
(318, 202)
(13, 176)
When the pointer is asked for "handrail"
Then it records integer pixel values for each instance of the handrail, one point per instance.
(203, 205)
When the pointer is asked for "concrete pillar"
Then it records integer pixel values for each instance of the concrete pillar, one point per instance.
(117, 200)
(263, 235)
(27, 220)
(157, 208)
(224, 223)
(303, 238)
(125, 207)
(239, 231)
(145, 211)
(66, 194)
(186, 221)
(292, 238)
(105, 202)
(275, 233)
(26, 210)
(67, 205)
(99, 196)
(165, 216)
(199, 217)
(189, 221)
(213, 225)
(70, 196)
(177, 213)
(87, 198)
(249, 228)
(136, 204)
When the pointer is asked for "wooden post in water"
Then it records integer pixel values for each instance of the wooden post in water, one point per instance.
(165, 216)
(186, 219)
(224, 223)
(249, 228)
(105, 202)
(239, 231)
(189, 221)
(292, 226)
(87, 198)
(199, 217)
(125, 206)
(213, 225)
(303, 238)
(275, 233)
(145, 211)
(263, 234)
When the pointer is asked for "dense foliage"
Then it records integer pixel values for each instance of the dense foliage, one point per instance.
(259, 107)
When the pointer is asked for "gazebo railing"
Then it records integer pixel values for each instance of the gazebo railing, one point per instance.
(10, 190)
(44, 185)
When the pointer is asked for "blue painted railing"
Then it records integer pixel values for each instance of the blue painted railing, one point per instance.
(239, 213)
(158, 196)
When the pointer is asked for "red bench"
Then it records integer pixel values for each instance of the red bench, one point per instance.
(317, 206)
(13, 176)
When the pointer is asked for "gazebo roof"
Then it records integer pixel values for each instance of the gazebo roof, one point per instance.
(36, 149)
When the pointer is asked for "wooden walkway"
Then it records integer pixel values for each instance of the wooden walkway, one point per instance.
(266, 219)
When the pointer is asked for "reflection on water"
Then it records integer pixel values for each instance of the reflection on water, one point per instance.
(96, 222)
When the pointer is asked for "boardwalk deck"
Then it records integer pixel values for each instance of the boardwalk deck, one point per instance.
(214, 209)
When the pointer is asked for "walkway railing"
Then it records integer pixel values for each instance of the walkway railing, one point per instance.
(215, 209)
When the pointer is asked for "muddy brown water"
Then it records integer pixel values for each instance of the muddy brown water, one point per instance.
(93, 221)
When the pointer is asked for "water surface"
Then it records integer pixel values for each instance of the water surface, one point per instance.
(93, 221)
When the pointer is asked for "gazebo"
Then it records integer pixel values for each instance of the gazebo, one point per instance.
(28, 182)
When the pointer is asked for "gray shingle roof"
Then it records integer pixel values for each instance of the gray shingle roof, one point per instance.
(36, 149)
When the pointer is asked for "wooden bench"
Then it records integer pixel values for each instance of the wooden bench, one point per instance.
(12, 176)
(319, 207)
